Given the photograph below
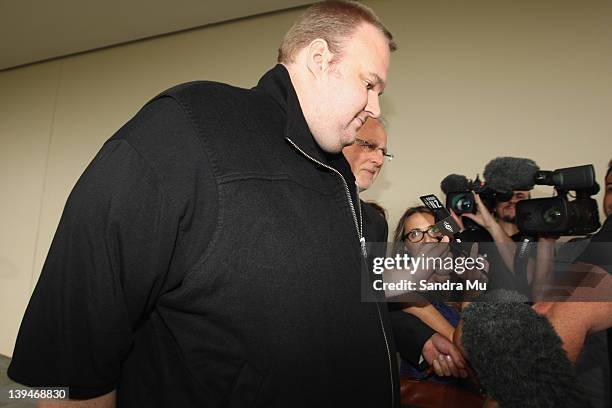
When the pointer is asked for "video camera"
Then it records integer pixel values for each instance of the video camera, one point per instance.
(558, 215)
(459, 197)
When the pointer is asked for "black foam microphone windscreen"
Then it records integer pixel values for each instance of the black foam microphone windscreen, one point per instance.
(517, 354)
(506, 174)
(454, 182)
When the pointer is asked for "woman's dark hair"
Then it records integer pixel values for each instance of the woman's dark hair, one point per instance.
(399, 230)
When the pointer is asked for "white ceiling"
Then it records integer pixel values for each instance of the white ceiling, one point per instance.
(37, 30)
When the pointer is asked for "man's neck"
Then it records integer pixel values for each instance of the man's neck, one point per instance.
(508, 227)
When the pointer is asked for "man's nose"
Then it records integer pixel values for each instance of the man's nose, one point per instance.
(377, 157)
(373, 106)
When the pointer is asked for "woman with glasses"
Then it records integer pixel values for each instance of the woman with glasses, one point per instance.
(415, 229)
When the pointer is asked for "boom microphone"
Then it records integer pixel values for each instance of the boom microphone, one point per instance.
(455, 182)
(506, 174)
(517, 355)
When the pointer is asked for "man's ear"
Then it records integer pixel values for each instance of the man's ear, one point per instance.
(318, 57)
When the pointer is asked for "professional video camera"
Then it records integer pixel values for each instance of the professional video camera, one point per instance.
(558, 215)
(459, 197)
(502, 176)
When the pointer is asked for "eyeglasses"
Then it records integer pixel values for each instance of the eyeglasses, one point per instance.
(417, 235)
(367, 147)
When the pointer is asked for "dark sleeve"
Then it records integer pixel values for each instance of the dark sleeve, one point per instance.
(410, 335)
(103, 272)
(599, 250)
(385, 232)
(375, 227)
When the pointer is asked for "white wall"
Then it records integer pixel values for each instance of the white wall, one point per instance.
(474, 80)
(471, 81)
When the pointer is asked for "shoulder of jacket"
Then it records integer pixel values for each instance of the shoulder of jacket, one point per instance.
(374, 221)
(205, 89)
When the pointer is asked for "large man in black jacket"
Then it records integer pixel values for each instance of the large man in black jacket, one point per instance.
(209, 254)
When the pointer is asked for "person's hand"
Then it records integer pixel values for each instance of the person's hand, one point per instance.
(483, 216)
(479, 274)
(433, 250)
(458, 220)
(444, 357)
(541, 275)
(457, 335)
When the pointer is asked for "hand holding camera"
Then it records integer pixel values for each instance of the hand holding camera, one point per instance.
(483, 216)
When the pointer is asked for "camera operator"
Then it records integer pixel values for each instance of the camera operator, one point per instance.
(592, 366)
(508, 181)
(499, 230)
(512, 176)
(582, 324)
(505, 212)
(575, 247)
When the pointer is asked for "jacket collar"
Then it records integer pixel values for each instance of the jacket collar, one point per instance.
(276, 83)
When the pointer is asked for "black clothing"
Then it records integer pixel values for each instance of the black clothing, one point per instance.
(208, 257)
(500, 276)
(593, 369)
(599, 250)
(595, 359)
(410, 335)
(409, 332)
(375, 227)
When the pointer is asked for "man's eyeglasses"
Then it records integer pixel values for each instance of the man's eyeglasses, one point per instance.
(417, 235)
(370, 148)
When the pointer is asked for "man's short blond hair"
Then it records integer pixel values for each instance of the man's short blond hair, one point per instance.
(332, 20)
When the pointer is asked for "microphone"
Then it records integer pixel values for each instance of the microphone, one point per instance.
(506, 174)
(455, 182)
(517, 355)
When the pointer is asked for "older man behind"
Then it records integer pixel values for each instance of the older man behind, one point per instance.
(413, 337)
(367, 155)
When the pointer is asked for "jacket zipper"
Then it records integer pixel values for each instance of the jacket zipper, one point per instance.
(362, 242)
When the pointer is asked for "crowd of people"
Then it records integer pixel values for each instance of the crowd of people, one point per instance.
(580, 323)
(210, 255)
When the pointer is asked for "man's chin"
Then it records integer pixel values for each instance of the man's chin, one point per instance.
(348, 138)
(364, 183)
(332, 147)
(510, 219)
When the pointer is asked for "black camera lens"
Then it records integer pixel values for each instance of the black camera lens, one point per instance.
(462, 203)
(552, 216)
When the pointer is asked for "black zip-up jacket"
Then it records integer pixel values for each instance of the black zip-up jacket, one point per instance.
(409, 332)
(210, 256)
